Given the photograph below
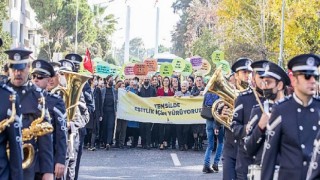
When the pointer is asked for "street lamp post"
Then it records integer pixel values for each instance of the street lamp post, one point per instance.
(76, 40)
(280, 62)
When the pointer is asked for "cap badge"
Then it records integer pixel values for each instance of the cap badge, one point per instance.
(38, 65)
(248, 63)
(264, 65)
(310, 61)
(17, 57)
(73, 58)
(267, 68)
(65, 64)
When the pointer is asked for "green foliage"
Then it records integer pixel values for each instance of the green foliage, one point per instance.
(162, 49)
(58, 18)
(205, 45)
(4, 35)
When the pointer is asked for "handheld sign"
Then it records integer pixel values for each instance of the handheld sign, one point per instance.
(140, 69)
(217, 56)
(196, 62)
(152, 65)
(225, 67)
(166, 69)
(178, 64)
(187, 71)
(205, 68)
(128, 71)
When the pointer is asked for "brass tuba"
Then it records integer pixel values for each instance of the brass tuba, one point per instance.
(71, 95)
(220, 86)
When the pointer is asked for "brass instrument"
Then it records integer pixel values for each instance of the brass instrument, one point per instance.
(220, 86)
(36, 129)
(71, 96)
(6, 122)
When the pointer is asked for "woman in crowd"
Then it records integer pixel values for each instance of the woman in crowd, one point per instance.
(164, 129)
(183, 129)
(96, 117)
(121, 127)
(109, 101)
(198, 129)
(191, 83)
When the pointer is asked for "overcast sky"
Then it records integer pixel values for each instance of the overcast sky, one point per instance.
(143, 17)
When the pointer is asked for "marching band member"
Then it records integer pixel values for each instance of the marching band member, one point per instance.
(19, 66)
(294, 123)
(42, 71)
(242, 108)
(242, 71)
(10, 168)
(274, 82)
(79, 121)
(88, 97)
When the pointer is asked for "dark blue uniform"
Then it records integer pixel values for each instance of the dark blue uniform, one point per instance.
(291, 131)
(255, 138)
(10, 169)
(242, 110)
(43, 160)
(314, 170)
(57, 111)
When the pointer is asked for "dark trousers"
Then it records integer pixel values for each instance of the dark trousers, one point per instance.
(82, 134)
(182, 134)
(90, 138)
(173, 134)
(121, 131)
(145, 132)
(108, 126)
(29, 173)
(155, 134)
(229, 165)
(164, 132)
(133, 132)
(243, 161)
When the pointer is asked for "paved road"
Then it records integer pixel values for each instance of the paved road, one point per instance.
(143, 164)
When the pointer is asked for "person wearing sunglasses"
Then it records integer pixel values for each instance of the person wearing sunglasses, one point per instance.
(42, 74)
(29, 94)
(294, 123)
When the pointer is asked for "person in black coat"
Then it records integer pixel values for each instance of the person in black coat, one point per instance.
(146, 90)
(92, 126)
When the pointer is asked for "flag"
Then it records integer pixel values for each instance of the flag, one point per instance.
(155, 3)
(87, 63)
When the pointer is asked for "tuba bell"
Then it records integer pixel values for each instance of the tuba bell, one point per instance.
(71, 95)
(220, 86)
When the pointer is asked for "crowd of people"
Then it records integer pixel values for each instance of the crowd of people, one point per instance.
(269, 131)
(107, 131)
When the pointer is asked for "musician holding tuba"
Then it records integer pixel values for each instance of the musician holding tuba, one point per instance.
(88, 98)
(38, 156)
(77, 116)
(42, 74)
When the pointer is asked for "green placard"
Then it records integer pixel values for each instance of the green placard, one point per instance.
(178, 64)
(166, 69)
(217, 56)
(225, 67)
(187, 71)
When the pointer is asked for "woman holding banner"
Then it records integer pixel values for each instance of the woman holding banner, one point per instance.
(164, 129)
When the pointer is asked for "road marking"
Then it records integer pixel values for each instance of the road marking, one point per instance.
(175, 159)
